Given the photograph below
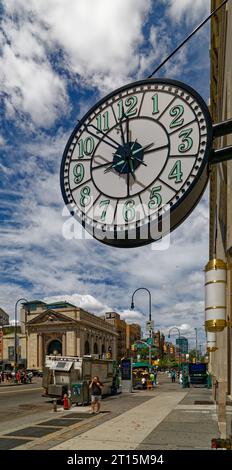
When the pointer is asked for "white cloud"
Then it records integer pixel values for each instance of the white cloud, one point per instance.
(2, 141)
(87, 302)
(187, 10)
(96, 42)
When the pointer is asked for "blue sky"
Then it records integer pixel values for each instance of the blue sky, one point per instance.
(57, 59)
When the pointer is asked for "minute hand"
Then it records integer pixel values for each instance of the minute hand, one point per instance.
(142, 148)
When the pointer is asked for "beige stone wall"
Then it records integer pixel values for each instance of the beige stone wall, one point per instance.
(32, 349)
(221, 197)
(9, 340)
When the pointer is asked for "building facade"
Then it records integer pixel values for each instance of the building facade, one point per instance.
(64, 329)
(133, 334)
(182, 344)
(4, 317)
(158, 340)
(220, 241)
(113, 318)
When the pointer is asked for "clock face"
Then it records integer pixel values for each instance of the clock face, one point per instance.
(138, 157)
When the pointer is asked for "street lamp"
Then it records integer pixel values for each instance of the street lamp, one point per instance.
(133, 305)
(175, 328)
(196, 344)
(15, 331)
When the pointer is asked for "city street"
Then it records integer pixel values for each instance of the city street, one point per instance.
(22, 404)
(168, 417)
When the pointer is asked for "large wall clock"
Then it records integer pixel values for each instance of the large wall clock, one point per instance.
(138, 156)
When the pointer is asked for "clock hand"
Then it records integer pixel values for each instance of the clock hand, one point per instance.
(138, 160)
(122, 133)
(114, 165)
(127, 124)
(133, 144)
(86, 126)
(143, 148)
(128, 184)
(132, 168)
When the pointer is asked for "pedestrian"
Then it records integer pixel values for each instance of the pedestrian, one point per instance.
(173, 376)
(30, 375)
(180, 378)
(96, 394)
(155, 378)
(152, 379)
(185, 380)
(18, 376)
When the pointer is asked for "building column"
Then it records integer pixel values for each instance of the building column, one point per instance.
(221, 408)
(114, 348)
(78, 343)
(40, 350)
(64, 344)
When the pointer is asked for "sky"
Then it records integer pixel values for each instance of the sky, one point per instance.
(57, 59)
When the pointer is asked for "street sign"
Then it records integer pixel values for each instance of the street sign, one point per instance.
(139, 156)
(150, 341)
(150, 325)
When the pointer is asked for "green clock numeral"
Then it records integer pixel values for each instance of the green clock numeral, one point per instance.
(129, 211)
(85, 196)
(105, 118)
(155, 197)
(155, 104)
(104, 204)
(86, 147)
(177, 111)
(78, 172)
(187, 142)
(130, 104)
(176, 172)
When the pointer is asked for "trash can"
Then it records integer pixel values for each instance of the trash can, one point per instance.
(80, 393)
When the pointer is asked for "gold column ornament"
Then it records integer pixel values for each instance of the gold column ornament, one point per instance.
(215, 295)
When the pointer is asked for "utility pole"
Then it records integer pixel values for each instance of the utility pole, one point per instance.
(196, 345)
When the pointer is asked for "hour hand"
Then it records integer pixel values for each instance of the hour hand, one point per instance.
(114, 165)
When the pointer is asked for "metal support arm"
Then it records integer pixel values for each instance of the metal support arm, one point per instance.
(221, 155)
(222, 128)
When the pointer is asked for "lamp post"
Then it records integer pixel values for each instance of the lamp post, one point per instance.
(196, 344)
(175, 328)
(15, 331)
(133, 306)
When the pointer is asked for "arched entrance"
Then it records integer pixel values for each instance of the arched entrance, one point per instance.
(103, 349)
(55, 348)
(95, 348)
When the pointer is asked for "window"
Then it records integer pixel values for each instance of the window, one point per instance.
(87, 349)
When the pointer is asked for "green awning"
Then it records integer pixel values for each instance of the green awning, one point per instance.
(140, 364)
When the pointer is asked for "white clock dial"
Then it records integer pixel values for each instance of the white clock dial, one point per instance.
(139, 151)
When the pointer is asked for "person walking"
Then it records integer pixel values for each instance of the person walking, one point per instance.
(152, 379)
(96, 394)
(173, 376)
(185, 380)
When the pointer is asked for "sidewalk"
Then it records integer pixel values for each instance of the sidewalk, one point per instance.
(168, 417)
(169, 420)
